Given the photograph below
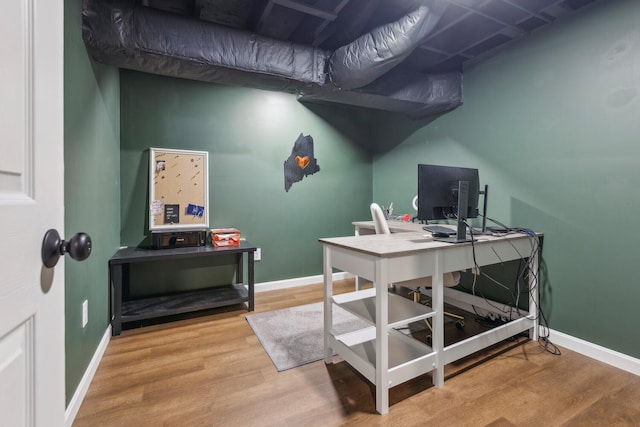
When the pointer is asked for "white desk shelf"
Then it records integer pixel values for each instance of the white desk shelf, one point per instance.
(409, 358)
(401, 311)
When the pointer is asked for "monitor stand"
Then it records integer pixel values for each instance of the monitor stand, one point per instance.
(484, 230)
(463, 202)
(485, 195)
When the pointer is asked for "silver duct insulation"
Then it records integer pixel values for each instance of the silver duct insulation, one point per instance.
(139, 38)
(377, 52)
(430, 94)
(119, 33)
(416, 96)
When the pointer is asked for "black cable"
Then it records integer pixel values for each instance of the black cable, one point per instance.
(524, 267)
(479, 271)
(543, 340)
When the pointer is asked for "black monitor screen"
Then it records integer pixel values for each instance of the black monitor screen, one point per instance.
(438, 191)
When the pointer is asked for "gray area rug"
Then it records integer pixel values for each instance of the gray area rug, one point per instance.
(294, 336)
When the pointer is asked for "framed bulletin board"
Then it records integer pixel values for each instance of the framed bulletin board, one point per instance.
(178, 189)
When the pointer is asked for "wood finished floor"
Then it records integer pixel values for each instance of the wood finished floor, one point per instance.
(212, 371)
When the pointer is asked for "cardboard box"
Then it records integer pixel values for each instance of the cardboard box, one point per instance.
(225, 236)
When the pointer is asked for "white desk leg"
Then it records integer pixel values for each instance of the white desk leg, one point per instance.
(437, 334)
(533, 297)
(359, 280)
(328, 305)
(382, 336)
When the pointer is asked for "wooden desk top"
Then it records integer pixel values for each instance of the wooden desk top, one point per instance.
(386, 244)
(396, 244)
(394, 226)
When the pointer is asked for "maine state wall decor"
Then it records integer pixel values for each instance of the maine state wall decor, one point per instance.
(301, 162)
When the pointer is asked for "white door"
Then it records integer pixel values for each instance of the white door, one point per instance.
(31, 201)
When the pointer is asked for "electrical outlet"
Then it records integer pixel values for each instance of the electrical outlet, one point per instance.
(257, 256)
(85, 313)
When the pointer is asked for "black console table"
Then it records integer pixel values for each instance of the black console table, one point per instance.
(124, 310)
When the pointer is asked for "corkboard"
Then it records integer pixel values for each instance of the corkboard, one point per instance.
(178, 189)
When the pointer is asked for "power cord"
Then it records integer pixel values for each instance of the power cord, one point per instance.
(543, 338)
(513, 305)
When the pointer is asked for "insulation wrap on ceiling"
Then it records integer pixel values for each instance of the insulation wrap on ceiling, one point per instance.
(428, 94)
(414, 95)
(119, 33)
(375, 53)
(139, 38)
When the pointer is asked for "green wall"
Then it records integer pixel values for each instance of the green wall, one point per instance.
(92, 192)
(552, 124)
(249, 134)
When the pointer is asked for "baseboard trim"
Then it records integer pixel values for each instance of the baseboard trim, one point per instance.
(85, 382)
(298, 281)
(594, 351)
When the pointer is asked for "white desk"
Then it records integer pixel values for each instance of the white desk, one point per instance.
(385, 259)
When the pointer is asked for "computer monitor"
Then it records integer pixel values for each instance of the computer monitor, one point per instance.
(447, 192)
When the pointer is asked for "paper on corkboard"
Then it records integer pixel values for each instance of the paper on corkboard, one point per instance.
(178, 189)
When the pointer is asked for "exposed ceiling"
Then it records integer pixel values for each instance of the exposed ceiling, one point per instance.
(469, 31)
(404, 56)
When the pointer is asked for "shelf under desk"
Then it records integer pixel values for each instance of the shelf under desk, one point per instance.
(401, 311)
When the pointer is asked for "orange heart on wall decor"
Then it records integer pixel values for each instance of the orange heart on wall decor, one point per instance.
(302, 161)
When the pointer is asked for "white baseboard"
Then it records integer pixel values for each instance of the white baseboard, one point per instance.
(602, 354)
(83, 387)
(299, 281)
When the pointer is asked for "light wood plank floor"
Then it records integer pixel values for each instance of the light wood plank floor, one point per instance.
(212, 371)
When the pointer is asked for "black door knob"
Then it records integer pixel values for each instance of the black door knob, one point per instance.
(78, 247)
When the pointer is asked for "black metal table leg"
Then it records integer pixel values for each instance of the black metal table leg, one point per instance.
(116, 319)
(251, 278)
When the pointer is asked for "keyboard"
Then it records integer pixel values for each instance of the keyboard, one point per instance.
(440, 229)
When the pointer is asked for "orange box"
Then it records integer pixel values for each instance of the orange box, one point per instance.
(225, 236)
